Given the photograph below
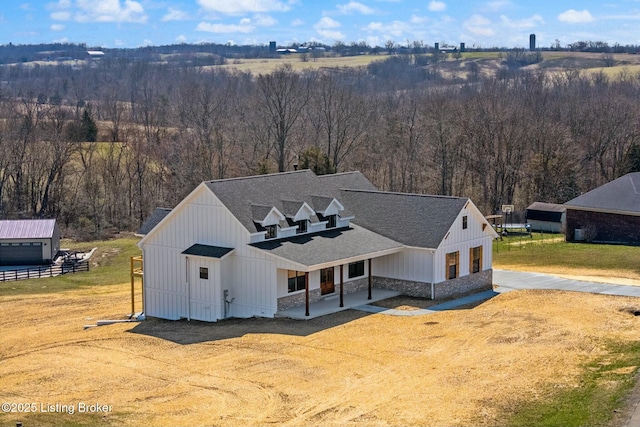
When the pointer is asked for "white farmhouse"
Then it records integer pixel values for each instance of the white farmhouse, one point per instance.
(271, 242)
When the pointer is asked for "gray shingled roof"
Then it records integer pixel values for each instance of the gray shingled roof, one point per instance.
(328, 246)
(156, 216)
(412, 219)
(352, 180)
(27, 228)
(207, 251)
(238, 194)
(619, 195)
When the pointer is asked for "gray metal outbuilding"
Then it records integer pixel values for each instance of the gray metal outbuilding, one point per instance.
(28, 241)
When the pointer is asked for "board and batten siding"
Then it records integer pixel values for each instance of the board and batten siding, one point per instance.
(462, 240)
(202, 218)
(414, 264)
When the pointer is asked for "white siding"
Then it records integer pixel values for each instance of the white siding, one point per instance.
(246, 273)
(462, 240)
(411, 264)
(205, 296)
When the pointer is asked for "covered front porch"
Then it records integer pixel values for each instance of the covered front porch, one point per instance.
(331, 304)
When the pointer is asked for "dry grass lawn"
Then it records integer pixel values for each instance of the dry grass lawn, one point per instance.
(464, 367)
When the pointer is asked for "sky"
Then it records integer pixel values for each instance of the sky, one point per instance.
(484, 24)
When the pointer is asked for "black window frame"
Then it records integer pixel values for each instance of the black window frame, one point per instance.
(356, 269)
(204, 273)
(332, 221)
(302, 226)
(465, 222)
(297, 282)
(271, 231)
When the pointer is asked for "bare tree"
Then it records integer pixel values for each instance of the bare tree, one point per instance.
(282, 98)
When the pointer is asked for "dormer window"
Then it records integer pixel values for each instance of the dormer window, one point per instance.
(272, 232)
(302, 226)
(331, 221)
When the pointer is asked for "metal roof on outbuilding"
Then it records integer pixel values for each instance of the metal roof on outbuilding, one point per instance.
(27, 228)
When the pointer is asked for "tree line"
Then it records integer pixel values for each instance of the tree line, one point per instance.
(99, 147)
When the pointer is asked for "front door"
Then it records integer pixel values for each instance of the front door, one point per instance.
(326, 281)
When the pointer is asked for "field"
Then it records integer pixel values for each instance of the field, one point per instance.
(522, 358)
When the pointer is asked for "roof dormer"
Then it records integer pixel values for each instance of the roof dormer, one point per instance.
(266, 215)
(326, 206)
(297, 211)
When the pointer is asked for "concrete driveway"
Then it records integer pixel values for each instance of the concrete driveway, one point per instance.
(507, 280)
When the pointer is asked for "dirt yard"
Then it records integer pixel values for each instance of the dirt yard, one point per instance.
(463, 367)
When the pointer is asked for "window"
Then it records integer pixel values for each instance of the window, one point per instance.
(356, 269)
(302, 226)
(297, 281)
(204, 273)
(272, 232)
(475, 259)
(452, 265)
(464, 222)
(331, 221)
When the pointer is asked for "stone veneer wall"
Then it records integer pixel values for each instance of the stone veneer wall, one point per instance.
(314, 294)
(405, 287)
(481, 281)
(443, 290)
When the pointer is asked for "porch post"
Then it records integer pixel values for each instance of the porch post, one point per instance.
(306, 292)
(341, 288)
(370, 279)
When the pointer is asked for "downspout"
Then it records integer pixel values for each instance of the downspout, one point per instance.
(188, 290)
(433, 273)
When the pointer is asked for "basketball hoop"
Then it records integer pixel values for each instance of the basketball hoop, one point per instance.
(507, 209)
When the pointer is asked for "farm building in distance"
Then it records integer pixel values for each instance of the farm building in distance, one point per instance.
(260, 245)
(547, 217)
(28, 241)
(607, 214)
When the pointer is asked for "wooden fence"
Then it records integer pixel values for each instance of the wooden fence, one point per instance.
(44, 271)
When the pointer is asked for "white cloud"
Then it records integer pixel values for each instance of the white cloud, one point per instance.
(61, 16)
(61, 4)
(573, 16)
(297, 22)
(147, 42)
(437, 6)
(479, 25)
(532, 22)
(181, 39)
(109, 11)
(498, 5)
(264, 20)
(327, 28)
(418, 20)
(233, 7)
(175, 15)
(394, 29)
(354, 6)
(224, 28)
(57, 27)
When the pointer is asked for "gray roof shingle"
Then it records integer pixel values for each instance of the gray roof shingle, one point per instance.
(352, 180)
(619, 195)
(328, 246)
(154, 219)
(27, 228)
(412, 219)
(239, 194)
